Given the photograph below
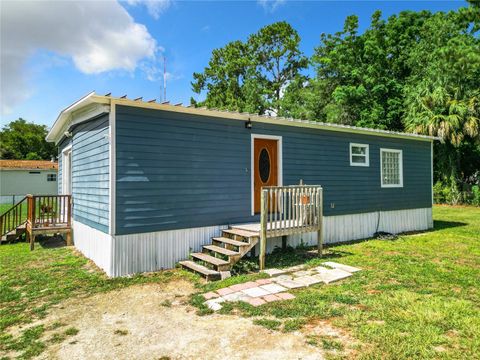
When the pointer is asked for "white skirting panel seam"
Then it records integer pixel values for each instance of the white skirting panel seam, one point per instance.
(93, 244)
(135, 253)
(342, 228)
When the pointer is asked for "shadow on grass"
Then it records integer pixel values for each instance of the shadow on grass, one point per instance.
(291, 256)
(440, 224)
(51, 242)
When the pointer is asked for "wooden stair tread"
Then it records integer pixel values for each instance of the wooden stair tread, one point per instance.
(230, 241)
(199, 268)
(221, 250)
(210, 259)
(240, 232)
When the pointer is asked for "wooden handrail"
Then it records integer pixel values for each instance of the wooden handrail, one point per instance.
(287, 210)
(12, 218)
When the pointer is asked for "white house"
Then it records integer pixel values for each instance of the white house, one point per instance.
(21, 177)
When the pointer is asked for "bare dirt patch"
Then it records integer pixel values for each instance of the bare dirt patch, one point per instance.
(154, 321)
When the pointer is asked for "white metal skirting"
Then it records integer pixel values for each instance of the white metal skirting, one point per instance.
(343, 228)
(94, 244)
(145, 252)
(135, 253)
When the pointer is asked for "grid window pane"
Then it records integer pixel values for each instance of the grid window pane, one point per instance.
(391, 168)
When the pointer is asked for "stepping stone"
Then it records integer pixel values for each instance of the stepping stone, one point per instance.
(271, 298)
(282, 277)
(332, 275)
(273, 272)
(273, 288)
(321, 269)
(295, 268)
(290, 284)
(256, 301)
(225, 291)
(308, 280)
(255, 292)
(236, 296)
(302, 273)
(343, 267)
(263, 281)
(286, 296)
(247, 285)
(210, 295)
(214, 304)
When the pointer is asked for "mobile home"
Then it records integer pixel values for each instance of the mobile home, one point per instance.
(151, 183)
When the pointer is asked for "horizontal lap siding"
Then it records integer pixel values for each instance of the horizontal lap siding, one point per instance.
(182, 171)
(90, 173)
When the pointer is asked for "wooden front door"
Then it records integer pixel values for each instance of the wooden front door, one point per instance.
(265, 170)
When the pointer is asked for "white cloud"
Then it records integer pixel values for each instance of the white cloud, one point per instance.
(98, 36)
(270, 5)
(154, 7)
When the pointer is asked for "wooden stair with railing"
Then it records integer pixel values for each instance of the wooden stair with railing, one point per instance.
(13, 221)
(284, 210)
(37, 214)
(224, 252)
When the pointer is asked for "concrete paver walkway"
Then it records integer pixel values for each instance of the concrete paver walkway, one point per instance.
(275, 288)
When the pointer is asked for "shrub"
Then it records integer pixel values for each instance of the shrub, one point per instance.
(475, 195)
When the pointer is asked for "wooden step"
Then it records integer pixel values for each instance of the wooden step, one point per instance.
(221, 250)
(209, 274)
(229, 241)
(240, 232)
(218, 263)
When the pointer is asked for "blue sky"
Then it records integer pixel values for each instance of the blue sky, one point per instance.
(119, 47)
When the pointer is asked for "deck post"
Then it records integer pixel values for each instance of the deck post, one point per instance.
(320, 222)
(69, 237)
(263, 227)
(32, 241)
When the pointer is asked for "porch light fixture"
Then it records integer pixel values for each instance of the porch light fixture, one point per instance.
(248, 124)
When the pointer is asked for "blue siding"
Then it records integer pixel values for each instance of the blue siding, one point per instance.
(90, 172)
(182, 171)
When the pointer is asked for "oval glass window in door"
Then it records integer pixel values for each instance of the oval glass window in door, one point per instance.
(264, 165)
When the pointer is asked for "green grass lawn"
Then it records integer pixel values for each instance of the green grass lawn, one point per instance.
(417, 296)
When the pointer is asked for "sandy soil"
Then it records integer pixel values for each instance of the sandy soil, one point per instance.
(137, 323)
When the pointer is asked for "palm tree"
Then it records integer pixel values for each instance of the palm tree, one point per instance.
(445, 114)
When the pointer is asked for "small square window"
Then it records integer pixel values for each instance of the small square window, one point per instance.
(391, 168)
(51, 177)
(359, 155)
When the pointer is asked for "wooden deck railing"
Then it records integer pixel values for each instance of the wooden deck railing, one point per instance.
(39, 214)
(13, 217)
(287, 210)
(49, 211)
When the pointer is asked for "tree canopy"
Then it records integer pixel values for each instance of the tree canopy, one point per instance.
(251, 76)
(25, 141)
(414, 71)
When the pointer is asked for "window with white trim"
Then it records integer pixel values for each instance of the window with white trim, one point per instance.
(391, 167)
(359, 155)
(51, 177)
